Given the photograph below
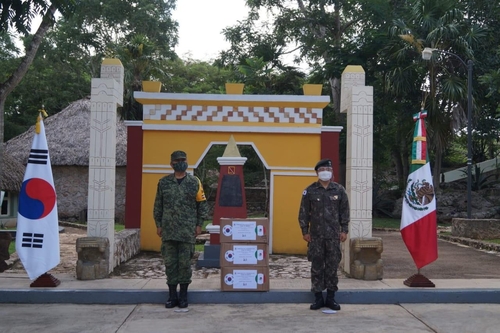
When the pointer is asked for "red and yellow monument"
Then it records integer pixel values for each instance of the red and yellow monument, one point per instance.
(286, 131)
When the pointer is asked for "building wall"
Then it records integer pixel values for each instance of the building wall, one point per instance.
(290, 156)
(71, 183)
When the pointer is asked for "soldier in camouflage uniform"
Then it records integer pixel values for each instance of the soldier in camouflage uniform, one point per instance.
(179, 211)
(324, 221)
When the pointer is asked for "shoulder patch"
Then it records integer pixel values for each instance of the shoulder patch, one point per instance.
(200, 196)
(305, 192)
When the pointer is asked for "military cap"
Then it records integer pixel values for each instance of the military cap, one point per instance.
(323, 163)
(177, 154)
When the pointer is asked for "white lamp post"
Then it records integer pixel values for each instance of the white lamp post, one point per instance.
(427, 55)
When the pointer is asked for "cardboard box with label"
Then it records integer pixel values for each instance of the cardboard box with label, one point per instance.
(248, 254)
(249, 230)
(245, 278)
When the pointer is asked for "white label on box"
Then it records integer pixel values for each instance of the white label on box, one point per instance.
(245, 254)
(244, 230)
(244, 279)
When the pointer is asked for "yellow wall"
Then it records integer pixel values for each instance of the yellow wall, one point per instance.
(287, 236)
(278, 150)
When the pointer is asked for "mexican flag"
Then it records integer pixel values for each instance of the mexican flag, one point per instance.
(418, 219)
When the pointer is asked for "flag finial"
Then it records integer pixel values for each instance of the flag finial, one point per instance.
(40, 113)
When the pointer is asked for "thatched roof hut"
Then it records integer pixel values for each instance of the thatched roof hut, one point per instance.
(12, 174)
(68, 137)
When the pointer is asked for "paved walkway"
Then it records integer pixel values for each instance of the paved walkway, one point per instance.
(466, 299)
(461, 275)
(286, 318)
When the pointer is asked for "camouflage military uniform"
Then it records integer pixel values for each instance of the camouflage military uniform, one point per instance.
(324, 214)
(178, 210)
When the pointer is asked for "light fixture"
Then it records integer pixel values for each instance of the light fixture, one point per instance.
(427, 53)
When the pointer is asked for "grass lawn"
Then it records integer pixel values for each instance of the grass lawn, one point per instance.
(12, 247)
(386, 222)
(204, 226)
(382, 222)
(496, 240)
(119, 227)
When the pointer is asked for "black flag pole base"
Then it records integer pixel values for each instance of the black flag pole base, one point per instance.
(418, 280)
(45, 280)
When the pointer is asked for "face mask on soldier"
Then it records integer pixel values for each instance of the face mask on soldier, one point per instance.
(325, 175)
(180, 166)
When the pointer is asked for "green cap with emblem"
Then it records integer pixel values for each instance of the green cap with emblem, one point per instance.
(177, 155)
(323, 163)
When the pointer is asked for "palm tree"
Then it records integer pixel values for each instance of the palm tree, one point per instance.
(439, 24)
(142, 61)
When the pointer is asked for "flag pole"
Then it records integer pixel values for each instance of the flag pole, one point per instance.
(418, 220)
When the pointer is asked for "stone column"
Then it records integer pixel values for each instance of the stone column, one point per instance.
(357, 102)
(106, 96)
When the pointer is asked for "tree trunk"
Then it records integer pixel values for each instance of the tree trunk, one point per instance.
(267, 190)
(436, 174)
(8, 86)
(2, 103)
(335, 86)
(397, 159)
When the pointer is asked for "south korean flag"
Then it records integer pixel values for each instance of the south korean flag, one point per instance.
(37, 235)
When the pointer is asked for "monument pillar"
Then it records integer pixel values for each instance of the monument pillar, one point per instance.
(357, 102)
(106, 96)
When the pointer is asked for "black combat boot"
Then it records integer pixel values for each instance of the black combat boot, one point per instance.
(173, 300)
(183, 295)
(330, 300)
(318, 301)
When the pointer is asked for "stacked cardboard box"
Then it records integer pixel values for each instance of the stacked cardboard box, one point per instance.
(244, 254)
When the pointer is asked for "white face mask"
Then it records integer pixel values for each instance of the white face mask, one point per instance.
(325, 175)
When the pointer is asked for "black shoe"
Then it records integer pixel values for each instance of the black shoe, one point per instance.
(173, 300)
(183, 296)
(330, 301)
(318, 301)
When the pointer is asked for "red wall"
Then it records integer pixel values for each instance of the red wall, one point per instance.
(330, 149)
(134, 177)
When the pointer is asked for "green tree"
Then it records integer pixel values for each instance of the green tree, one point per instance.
(19, 14)
(442, 25)
(327, 33)
(140, 33)
(195, 76)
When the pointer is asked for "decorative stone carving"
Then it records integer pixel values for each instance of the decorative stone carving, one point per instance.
(93, 258)
(366, 258)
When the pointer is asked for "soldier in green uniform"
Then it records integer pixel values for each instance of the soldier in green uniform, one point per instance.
(324, 221)
(179, 211)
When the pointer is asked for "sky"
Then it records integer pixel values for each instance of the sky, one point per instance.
(200, 27)
(201, 23)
